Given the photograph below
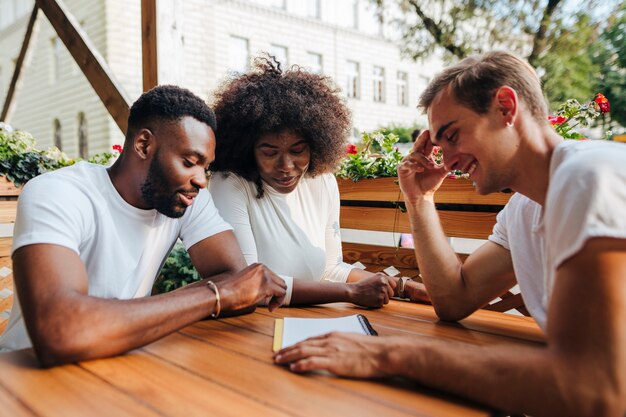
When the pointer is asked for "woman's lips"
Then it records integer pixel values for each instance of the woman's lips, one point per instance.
(285, 182)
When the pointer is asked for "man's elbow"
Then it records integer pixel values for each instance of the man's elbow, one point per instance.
(58, 349)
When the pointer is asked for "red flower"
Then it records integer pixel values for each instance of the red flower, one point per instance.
(351, 149)
(117, 148)
(603, 103)
(557, 120)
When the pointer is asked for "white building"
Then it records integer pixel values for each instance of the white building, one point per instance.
(339, 38)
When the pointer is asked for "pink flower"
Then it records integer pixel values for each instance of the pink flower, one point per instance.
(603, 103)
(117, 148)
(351, 149)
(557, 120)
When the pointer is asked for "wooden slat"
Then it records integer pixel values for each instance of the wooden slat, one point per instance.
(7, 189)
(5, 246)
(455, 223)
(11, 406)
(149, 44)
(89, 60)
(8, 210)
(452, 191)
(381, 255)
(149, 379)
(65, 390)
(25, 53)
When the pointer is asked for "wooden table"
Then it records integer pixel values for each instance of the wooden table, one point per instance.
(224, 368)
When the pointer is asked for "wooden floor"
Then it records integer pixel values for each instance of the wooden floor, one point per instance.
(224, 368)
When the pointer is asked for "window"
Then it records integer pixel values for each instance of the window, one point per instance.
(58, 140)
(353, 80)
(379, 84)
(238, 54)
(56, 48)
(83, 150)
(403, 88)
(281, 54)
(314, 62)
(314, 9)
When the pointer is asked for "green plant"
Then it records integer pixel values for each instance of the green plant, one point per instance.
(403, 132)
(572, 114)
(367, 164)
(177, 271)
(20, 160)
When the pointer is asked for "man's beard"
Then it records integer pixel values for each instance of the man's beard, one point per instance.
(154, 192)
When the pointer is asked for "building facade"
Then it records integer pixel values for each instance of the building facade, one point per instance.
(339, 38)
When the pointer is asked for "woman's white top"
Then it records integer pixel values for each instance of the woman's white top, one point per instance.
(296, 234)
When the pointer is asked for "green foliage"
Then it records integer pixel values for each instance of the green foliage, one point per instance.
(177, 271)
(366, 164)
(610, 55)
(568, 70)
(403, 132)
(572, 115)
(20, 160)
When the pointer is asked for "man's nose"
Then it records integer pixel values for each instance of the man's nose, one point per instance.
(200, 180)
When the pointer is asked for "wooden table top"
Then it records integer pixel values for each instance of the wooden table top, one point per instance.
(225, 368)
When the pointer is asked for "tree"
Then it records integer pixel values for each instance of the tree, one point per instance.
(551, 34)
(610, 56)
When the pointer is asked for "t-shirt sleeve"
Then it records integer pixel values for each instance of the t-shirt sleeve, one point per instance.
(201, 221)
(43, 215)
(499, 233)
(336, 269)
(585, 200)
(231, 200)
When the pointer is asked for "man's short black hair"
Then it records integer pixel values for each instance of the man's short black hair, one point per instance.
(168, 103)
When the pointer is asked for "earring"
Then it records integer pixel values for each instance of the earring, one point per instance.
(509, 124)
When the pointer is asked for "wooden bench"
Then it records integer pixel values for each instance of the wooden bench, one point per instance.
(378, 205)
(8, 209)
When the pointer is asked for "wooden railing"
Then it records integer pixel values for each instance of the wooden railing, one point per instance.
(378, 205)
(8, 209)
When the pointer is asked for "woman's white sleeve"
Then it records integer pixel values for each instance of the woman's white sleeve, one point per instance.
(232, 201)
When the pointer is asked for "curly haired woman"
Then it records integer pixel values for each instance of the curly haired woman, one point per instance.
(280, 136)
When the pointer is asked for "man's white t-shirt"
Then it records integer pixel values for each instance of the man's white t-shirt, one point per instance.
(586, 198)
(296, 234)
(121, 246)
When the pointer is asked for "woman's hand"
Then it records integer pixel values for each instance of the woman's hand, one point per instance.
(373, 291)
(418, 173)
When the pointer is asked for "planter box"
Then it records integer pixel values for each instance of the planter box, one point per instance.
(452, 191)
(8, 190)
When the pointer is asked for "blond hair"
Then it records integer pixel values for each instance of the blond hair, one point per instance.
(475, 79)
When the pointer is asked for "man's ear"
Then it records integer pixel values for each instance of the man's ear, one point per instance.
(507, 104)
(144, 143)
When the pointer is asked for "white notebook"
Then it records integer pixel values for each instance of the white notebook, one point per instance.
(291, 330)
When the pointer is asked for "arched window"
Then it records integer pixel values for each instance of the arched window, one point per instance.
(83, 149)
(58, 141)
